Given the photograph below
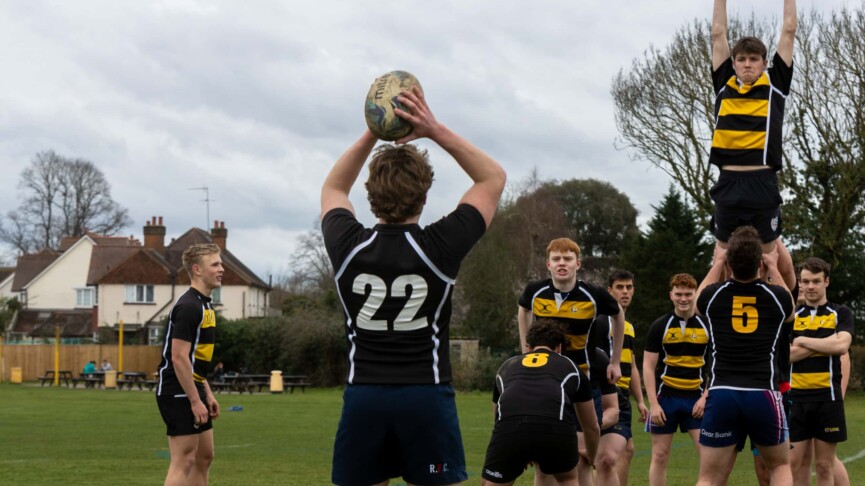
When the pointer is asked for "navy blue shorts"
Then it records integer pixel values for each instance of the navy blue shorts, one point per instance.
(733, 414)
(623, 427)
(387, 431)
(680, 415)
(599, 409)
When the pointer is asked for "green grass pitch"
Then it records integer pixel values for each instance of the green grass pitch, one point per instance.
(108, 437)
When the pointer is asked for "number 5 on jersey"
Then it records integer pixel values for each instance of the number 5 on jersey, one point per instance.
(378, 292)
(747, 319)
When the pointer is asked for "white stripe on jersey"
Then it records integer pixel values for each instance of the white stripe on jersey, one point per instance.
(168, 334)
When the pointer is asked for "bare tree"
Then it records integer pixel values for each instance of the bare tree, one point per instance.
(827, 119)
(61, 197)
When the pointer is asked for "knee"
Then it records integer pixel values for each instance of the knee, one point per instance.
(204, 458)
(660, 456)
(605, 460)
(824, 468)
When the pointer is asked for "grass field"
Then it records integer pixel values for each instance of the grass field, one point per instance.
(107, 437)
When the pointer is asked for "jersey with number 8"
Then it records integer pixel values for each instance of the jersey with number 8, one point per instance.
(395, 283)
(745, 323)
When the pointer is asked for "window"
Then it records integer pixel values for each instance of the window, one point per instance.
(153, 336)
(139, 294)
(216, 295)
(85, 297)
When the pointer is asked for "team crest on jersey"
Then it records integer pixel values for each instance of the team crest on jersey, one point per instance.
(774, 223)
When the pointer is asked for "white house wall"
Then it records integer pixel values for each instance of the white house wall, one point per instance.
(55, 287)
(113, 306)
(6, 287)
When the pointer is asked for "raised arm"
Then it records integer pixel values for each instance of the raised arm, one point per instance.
(720, 44)
(524, 320)
(337, 185)
(716, 273)
(488, 176)
(788, 32)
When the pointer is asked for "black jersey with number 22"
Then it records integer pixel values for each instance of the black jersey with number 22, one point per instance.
(395, 282)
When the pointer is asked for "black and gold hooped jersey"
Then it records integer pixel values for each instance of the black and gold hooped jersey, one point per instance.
(540, 383)
(395, 282)
(576, 310)
(745, 324)
(749, 118)
(818, 377)
(683, 349)
(603, 329)
(191, 319)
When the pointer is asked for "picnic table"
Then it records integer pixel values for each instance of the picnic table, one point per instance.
(294, 381)
(240, 382)
(90, 380)
(132, 378)
(48, 377)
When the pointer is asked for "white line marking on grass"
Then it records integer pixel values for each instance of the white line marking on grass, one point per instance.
(854, 457)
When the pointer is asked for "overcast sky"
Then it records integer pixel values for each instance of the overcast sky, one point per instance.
(255, 100)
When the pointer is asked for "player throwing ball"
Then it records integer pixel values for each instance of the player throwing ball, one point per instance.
(395, 282)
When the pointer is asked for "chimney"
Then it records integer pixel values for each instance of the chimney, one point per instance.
(154, 234)
(218, 234)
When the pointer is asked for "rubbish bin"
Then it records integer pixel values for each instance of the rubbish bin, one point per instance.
(111, 379)
(276, 381)
(16, 375)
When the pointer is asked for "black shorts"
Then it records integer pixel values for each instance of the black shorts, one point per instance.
(177, 414)
(818, 420)
(623, 427)
(550, 443)
(749, 198)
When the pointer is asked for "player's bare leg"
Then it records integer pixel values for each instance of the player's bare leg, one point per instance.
(716, 464)
(777, 460)
(182, 449)
(800, 461)
(610, 448)
(824, 462)
(623, 465)
(198, 475)
(661, 444)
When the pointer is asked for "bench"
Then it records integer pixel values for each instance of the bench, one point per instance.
(291, 385)
(151, 384)
(46, 379)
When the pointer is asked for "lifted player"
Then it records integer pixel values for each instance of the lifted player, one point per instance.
(746, 144)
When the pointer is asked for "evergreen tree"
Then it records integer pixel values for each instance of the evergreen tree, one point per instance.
(674, 243)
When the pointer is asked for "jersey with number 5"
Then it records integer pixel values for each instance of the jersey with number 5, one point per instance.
(395, 283)
(745, 323)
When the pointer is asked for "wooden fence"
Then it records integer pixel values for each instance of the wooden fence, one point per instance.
(35, 359)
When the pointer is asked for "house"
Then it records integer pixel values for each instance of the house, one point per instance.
(141, 289)
(95, 282)
(7, 275)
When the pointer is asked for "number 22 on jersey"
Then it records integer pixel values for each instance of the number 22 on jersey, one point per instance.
(378, 293)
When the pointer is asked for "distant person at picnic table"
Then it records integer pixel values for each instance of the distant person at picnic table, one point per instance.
(219, 372)
(106, 366)
(89, 368)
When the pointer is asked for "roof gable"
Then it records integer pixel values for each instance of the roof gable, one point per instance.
(144, 266)
(31, 265)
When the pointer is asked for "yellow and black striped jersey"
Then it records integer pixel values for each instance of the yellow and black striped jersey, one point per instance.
(683, 349)
(191, 319)
(749, 117)
(576, 310)
(603, 329)
(818, 377)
